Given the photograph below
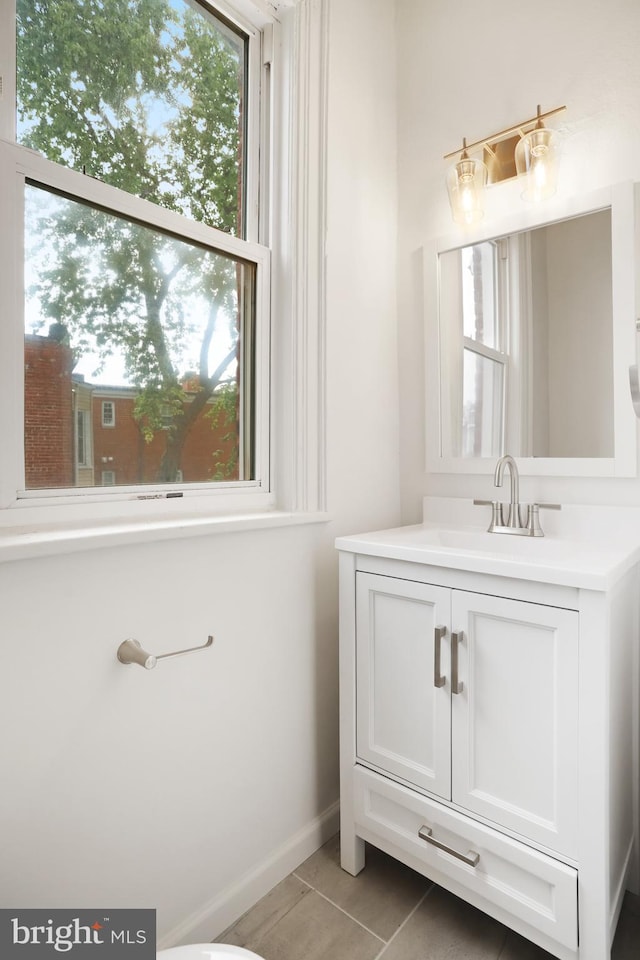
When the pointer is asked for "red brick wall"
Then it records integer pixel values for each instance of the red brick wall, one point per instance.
(48, 422)
(122, 448)
(49, 430)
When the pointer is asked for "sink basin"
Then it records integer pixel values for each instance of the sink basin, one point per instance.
(591, 561)
(495, 543)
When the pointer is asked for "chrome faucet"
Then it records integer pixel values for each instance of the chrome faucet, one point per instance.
(513, 518)
(508, 518)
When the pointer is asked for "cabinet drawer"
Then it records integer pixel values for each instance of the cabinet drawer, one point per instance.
(521, 887)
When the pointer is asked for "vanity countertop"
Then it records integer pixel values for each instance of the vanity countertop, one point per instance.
(588, 549)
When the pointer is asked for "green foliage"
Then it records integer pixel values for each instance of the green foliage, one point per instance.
(147, 96)
(143, 94)
(223, 415)
(154, 408)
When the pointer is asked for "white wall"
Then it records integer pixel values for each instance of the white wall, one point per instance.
(474, 72)
(579, 341)
(168, 789)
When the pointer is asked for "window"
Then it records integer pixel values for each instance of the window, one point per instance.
(82, 453)
(485, 360)
(108, 413)
(108, 478)
(149, 97)
(135, 170)
(119, 170)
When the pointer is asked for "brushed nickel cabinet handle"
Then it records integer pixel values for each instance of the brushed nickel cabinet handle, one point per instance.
(457, 686)
(471, 858)
(438, 679)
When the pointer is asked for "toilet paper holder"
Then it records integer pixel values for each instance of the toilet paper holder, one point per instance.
(130, 651)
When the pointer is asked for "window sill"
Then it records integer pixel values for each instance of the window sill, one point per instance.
(22, 543)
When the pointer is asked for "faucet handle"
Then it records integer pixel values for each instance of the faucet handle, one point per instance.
(533, 517)
(496, 512)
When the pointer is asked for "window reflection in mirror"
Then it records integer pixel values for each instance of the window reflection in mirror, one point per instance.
(526, 337)
(483, 354)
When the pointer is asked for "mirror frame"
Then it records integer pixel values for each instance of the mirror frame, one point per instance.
(621, 199)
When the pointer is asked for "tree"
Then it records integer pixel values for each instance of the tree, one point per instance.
(146, 95)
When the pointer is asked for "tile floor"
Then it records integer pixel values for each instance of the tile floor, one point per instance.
(389, 912)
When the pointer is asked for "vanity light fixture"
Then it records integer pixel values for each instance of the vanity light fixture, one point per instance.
(527, 150)
(466, 182)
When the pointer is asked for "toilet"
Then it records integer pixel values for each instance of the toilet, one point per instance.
(207, 951)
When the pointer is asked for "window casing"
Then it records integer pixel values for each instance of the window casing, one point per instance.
(22, 170)
(82, 439)
(485, 356)
(486, 336)
(108, 413)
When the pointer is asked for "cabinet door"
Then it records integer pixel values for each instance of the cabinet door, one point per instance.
(515, 720)
(403, 714)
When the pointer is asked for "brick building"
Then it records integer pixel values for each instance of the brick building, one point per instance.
(122, 455)
(83, 434)
(48, 415)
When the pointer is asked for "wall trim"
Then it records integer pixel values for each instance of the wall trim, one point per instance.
(299, 274)
(309, 273)
(225, 908)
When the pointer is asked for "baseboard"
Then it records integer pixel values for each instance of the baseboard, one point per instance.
(214, 917)
(618, 897)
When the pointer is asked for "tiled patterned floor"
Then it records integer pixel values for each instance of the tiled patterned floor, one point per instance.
(319, 912)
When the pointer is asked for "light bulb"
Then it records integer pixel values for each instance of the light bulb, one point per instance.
(536, 161)
(466, 183)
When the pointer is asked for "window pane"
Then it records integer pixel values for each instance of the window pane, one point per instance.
(81, 447)
(148, 334)
(108, 413)
(482, 406)
(147, 95)
(479, 297)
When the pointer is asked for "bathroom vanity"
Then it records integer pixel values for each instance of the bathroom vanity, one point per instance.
(489, 719)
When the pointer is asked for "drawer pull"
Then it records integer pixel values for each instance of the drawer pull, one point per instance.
(438, 679)
(457, 686)
(471, 858)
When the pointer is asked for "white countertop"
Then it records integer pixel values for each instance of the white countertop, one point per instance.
(588, 548)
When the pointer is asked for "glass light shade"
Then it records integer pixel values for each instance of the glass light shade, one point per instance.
(537, 162)
(466, 182)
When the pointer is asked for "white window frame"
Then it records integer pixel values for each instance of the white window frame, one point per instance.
(17, 166)
(454, 345)
(494, 406)
(497, 408)
(109, 423)
(82, 416)
(292, 180)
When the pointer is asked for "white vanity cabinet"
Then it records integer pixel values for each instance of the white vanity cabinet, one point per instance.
(488, 689)
(487, 737)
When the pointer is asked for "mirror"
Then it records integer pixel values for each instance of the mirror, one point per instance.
(532, 344)
(527, 343)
